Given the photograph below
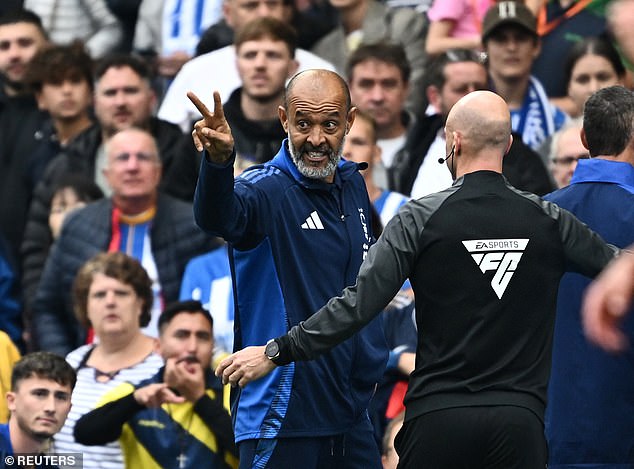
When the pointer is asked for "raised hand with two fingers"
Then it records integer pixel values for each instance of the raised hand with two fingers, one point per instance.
(212, 133)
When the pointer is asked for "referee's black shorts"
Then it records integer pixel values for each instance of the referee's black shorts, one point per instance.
(487, 437)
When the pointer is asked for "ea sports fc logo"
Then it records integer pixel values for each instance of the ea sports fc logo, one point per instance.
(500, 255)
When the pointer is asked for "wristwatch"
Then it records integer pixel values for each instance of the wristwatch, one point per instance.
(272, 350)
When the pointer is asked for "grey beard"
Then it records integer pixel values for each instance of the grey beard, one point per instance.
(334, 156)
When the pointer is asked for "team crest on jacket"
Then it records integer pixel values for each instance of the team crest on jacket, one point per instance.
(500, 255)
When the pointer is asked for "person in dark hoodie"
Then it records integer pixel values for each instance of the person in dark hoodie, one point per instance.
(265, 51)
(265, 59)
(21, 36)
(61, 78)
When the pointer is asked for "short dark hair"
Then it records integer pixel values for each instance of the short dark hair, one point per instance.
(118, 60)
(608, 120)
(270, 28)
(435, 70)
(178, 307)
(593, 45)
(339, 79)
(22, 15)
(85, 189)
(56, 63)
(44, 365)
(119, 266)
(388, 52)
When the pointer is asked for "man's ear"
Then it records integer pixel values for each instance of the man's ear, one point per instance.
(292, 69)
(433, 96)
(40, 102)
(376, 154)
(457, 142)
(584, 141)
(352, 113)
(537, 49)
(406, 88)
(281, 112)
(157, 346)
(10, 396)
(153, 101)
(508, 147)
(226, 13)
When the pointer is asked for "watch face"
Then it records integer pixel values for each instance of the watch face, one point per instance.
(272, 349)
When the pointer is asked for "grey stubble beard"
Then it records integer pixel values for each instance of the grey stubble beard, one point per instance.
(334, 156)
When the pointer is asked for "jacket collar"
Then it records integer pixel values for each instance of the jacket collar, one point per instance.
(609, 171)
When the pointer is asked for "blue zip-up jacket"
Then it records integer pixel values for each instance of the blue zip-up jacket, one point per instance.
(294, 243)
(589, 417)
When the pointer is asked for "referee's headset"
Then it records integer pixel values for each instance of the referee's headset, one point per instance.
(450, 155)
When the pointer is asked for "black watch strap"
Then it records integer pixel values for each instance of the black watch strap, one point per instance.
(285, 354)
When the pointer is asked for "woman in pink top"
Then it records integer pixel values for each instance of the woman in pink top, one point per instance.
(456, 24)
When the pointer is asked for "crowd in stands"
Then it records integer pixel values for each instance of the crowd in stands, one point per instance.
(98, 174)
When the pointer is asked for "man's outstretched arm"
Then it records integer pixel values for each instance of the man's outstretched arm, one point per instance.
(104, 424)
(382, 273)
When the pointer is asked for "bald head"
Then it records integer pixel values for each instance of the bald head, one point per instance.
(320, 81)
(133, 170)
(483, 120)
(145, 139)
(478, 132)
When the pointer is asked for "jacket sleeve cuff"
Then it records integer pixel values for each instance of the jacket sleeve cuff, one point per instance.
(206, 159)
(285, 357)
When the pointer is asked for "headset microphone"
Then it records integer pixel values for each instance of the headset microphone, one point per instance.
(443, 160)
